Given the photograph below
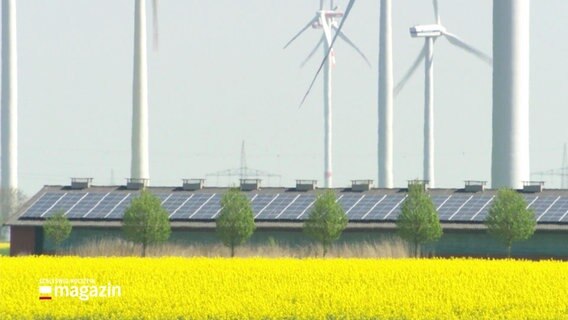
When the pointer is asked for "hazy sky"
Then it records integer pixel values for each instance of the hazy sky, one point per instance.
(220, 76)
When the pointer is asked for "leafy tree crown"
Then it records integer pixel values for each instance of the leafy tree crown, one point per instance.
(235, 223)
(327, 219)
(57, 228)
(509, 219)
(418, 221)
(145, 220)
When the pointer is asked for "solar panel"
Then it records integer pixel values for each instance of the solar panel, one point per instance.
(107, 204)
(556, 211)
(347, 201)
(117, 212)
(296, 208)
(43, 204)
(364, 206)
(471, 208)
(210, 209)
(163, 196)
(451, 206)
(482, 214)
(85, 204)
(195, 214)
(389, 208)
(175, 201)
(64, 203)
(542, 213)
(186, 210)
(541, 205)
(439, 200)
(306, 212)
(564, 218)
(276, 207)
(458, 207)
(461, 206)
(260, 201)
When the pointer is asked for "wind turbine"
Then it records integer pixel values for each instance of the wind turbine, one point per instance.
(430, 33)
(326, 19)
(511, 49)
(9, 112)
(139, 163)
(385, 96)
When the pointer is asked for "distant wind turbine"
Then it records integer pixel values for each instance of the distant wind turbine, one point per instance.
(327, 20)
(140, 162)
(9, 108)
(430, 33)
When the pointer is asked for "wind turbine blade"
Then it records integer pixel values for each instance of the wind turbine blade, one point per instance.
(309, 24)
(410, 71)
(349, 42)
(437, 12)
(312, 53)
(345, 15)
(453, 39)
(155, 23)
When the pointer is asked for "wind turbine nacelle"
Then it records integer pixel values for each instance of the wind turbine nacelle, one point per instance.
(332, 14)
(427, 30)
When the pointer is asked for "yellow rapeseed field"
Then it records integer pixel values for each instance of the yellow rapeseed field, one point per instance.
(200, 288)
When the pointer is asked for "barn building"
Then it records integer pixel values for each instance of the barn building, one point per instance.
(96, 211)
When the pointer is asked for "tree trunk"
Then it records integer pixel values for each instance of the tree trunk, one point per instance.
(143, 249)
(324, 248)
(509, 250)
(232, 250)
(416, 246)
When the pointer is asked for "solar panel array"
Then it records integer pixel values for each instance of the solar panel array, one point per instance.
(290, 206)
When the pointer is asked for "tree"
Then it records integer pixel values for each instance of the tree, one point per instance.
(146, 221)
(10, 201)
(326, 221)
(235, 223)
(418, 222)
(57, 228)
(509, 220)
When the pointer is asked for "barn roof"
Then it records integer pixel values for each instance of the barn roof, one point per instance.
(279, 207)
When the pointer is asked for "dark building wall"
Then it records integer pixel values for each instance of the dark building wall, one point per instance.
(25, 240)
(544, 244)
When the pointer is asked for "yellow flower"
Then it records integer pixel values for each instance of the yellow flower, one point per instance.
(201, 288)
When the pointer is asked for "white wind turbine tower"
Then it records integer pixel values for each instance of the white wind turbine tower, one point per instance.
(327, 21)
(9, 112)
(140, 163)
(385, 96)
(511, 48)
(430, 33)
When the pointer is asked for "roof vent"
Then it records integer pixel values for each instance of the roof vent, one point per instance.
(81, 183)
(193, 184)
(306, 185)
(136, 183)
(533, 186)
(250, 184)
(361, 185)
(423, 183)
(474, 186)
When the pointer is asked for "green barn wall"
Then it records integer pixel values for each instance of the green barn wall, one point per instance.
(453, 243)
